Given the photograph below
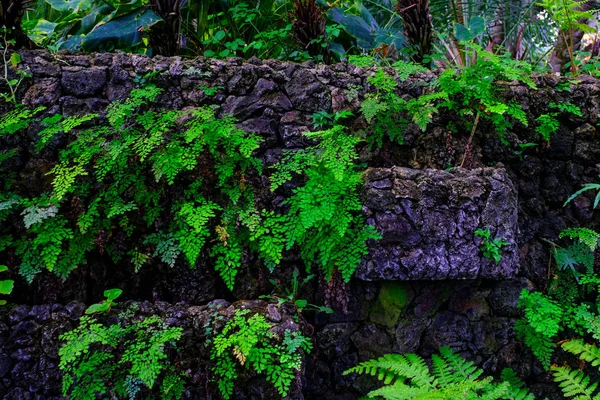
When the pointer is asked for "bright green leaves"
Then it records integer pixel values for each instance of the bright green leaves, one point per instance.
(6, 286)
(64, 178)
(549, 124)
(324, 217)
(193, 229)
(491, 247)
(541, 324)
(167, 183)
(248, 342)
(408, 376)
(96, 359)
(104, 306)
(17, 119)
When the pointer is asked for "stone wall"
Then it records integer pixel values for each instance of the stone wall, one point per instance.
(29, 338)
(427, 216)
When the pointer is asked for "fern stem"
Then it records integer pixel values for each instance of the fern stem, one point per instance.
(470, 138)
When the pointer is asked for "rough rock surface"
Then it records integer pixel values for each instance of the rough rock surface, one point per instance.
(428, 220)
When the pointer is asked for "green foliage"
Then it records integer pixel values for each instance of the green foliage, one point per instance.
(569, 16)
(540, 325)
(120, 359)
(248, 341)
(290, 294)
(111, 295)
(472, 89)
(462, 90)
(119, 159)
(570, 306)
(586, 187)
(548, 123)
(92, 25)
(575, 383)
(324, 217)
(492, 248)
(450, 377)
(323, 118)
(6, 286)
(10, 63)
(150, 185)
(387, 111)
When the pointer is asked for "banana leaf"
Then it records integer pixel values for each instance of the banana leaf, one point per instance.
(122, 33)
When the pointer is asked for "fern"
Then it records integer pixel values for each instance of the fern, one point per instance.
(97, 360)
(323, 217)
(540, 325)
(574, 383)
(586, 352)
(17, 119)
(585, 235)
(516, 387)
(148, 185)
(409, 377)
(249, 342)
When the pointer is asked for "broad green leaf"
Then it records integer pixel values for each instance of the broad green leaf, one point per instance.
(72, 6)
(123, 33)
(112, 294)
(2, 302)
(42, 31)
(6, 287)
(461, 33)
(476, 26)
(94, 308)
(3, 268)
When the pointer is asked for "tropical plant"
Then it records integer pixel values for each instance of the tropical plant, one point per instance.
(418, 28)
(92, 25)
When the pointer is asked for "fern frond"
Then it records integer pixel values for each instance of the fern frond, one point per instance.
(399, 391)
(574, 383)
(463, 369)
(516, 388)
(586, 352)
(585, 235)
(392, 368)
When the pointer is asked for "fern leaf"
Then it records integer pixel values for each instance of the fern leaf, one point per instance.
(574, 383)
(585, 235)
(516, 387)
(398, 391)
(392, 368)
(586, 352)
(462, 369)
